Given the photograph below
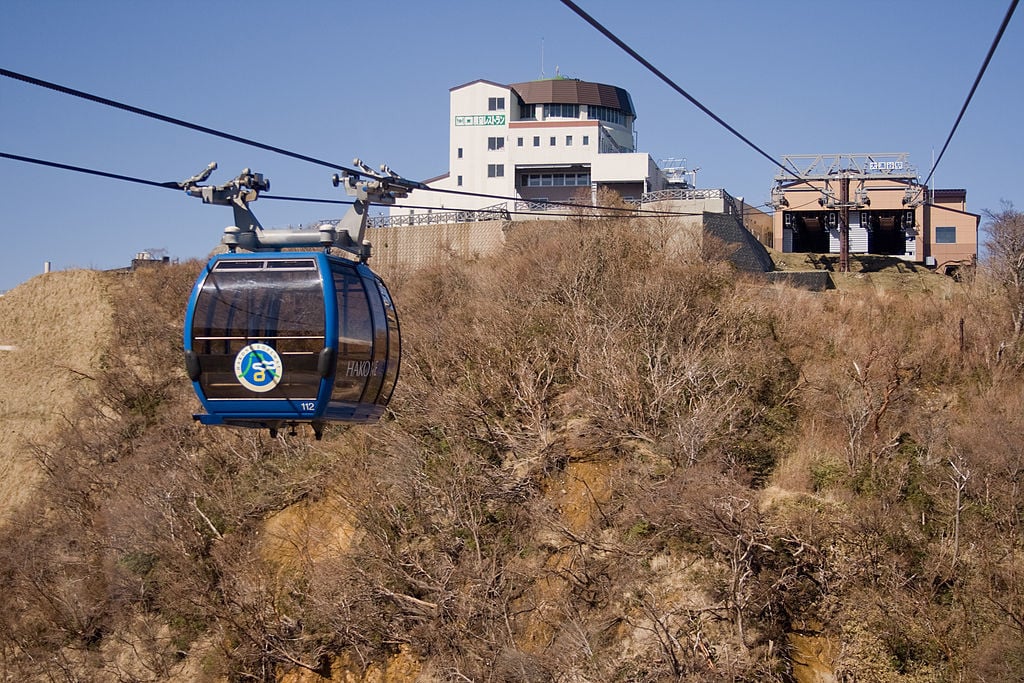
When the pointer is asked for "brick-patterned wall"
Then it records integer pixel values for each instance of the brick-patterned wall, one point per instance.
(417, 246)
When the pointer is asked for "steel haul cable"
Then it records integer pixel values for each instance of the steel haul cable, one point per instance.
(174, 185)
(66, 90)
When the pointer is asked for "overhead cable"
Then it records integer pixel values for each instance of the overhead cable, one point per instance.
(90, 171)
(977, 82)
(175, 121)
(672, 84)
(175, 185)
(253, 143)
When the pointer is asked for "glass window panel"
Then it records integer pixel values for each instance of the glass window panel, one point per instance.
(277, 303)
(355, 335)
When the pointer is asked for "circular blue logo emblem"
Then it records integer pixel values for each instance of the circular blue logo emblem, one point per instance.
(258, 367)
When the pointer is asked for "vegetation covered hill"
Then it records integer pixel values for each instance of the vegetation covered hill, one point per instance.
(53, 331)
(601, 464)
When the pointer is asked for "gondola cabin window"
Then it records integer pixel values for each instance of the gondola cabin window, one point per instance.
(258, 329)
(355, 336)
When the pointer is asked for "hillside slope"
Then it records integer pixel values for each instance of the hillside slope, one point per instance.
(599, 466)
(55, 328)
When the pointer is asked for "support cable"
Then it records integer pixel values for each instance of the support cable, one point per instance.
(175, 121)
(278, 150)
(977, 82)
(90, 171)
(672, 84)
(176, 185)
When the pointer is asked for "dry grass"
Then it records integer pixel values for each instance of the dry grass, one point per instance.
(60, 325)
(871, 273)
(600, 465)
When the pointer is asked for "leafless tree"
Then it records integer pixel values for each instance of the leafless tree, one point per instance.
(1006, 259)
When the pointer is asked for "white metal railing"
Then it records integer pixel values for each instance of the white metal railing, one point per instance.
(543, 205)
(502, 212)
(683, 194)
(497, 212)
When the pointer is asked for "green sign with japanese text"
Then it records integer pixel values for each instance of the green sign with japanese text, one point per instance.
(480, 120)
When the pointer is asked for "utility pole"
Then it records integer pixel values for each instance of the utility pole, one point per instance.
(844, 224)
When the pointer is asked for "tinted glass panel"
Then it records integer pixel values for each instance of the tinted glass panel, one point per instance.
(355, 336)
(945, 235)
(394, 346)
(250, 302)
(380, 345)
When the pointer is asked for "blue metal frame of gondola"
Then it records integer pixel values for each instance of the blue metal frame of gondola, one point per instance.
(252, 366)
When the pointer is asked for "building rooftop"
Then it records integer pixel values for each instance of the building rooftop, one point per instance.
(573, 91)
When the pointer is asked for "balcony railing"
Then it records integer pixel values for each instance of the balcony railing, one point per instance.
(682, 194)
(693, 194)
(497, 212)
(524, 206)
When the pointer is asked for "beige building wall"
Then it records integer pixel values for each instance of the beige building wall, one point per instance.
(943, 222)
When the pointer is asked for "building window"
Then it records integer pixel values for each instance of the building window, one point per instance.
(945, 235)
(553, 140)
(562, 111)
(568, 141)
(527, 111)
(586, 140)
(459, 181)
(495, 143)
(460, 152)
(519, 142)
(495, 104)
(536, 141)
(495, 170)
(606, 114)
(556, 179)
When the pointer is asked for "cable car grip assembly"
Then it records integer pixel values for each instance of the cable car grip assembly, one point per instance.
(366, 186)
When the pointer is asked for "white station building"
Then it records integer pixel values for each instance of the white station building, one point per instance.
(553, 140)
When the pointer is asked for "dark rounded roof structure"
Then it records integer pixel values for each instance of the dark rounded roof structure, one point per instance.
(574, 91)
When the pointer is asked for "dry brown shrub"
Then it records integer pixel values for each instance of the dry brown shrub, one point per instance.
(570, 485)
(58, 325)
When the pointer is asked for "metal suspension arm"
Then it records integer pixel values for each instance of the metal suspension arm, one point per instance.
(373, 187)
(237, 194)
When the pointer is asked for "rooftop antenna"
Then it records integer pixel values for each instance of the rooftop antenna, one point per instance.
(542, 57)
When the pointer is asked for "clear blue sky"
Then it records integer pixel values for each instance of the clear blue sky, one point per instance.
(336, 80)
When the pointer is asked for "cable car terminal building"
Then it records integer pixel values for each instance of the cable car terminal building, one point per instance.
(539, 142)
(565, 140)
(880, 201)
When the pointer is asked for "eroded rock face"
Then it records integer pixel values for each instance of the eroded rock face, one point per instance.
(811, 653)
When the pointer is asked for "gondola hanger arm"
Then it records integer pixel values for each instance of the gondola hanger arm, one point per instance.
(247, 233)
(372, 187)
